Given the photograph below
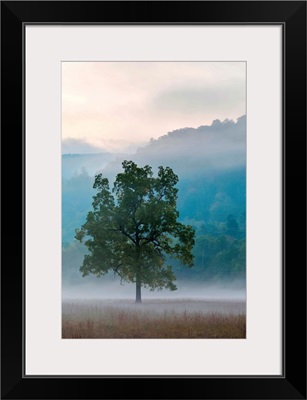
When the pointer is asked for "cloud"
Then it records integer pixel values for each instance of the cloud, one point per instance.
(78, 146)
(206, 98)
(134, 101)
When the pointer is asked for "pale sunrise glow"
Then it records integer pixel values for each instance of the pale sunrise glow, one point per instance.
(120, 106)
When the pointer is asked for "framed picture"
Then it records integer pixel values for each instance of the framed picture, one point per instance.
(161, 149)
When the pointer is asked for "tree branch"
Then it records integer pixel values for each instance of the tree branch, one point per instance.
(120, 229)
(127, 234)
(115, 269)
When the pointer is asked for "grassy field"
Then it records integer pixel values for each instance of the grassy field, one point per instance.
(153, 319)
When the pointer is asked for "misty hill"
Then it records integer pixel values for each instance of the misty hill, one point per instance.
(216, 147)
(190, 152)
(74, 164)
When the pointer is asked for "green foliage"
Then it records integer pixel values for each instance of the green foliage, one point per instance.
(132, 228)
(221, 256)
(232, 226)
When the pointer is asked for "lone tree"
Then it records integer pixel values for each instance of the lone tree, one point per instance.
(134, 227)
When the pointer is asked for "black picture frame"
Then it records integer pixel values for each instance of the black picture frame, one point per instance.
(292, 16)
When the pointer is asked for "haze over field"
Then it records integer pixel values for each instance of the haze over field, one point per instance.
(110, 288)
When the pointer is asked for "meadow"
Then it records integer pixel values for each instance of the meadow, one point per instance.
(153, 319)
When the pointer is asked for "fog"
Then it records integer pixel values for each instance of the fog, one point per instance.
(207, 149)
(219, 290)
(215, 147)
(191, 299)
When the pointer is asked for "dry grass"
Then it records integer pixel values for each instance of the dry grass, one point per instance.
(151, 320)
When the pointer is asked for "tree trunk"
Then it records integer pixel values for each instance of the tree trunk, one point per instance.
(138, 298)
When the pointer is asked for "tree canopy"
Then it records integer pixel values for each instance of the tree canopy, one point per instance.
(133, 229)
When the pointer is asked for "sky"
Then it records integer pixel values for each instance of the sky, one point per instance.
(119, 106)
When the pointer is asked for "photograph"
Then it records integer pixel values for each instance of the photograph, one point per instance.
(153, 200)
(157, 151)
